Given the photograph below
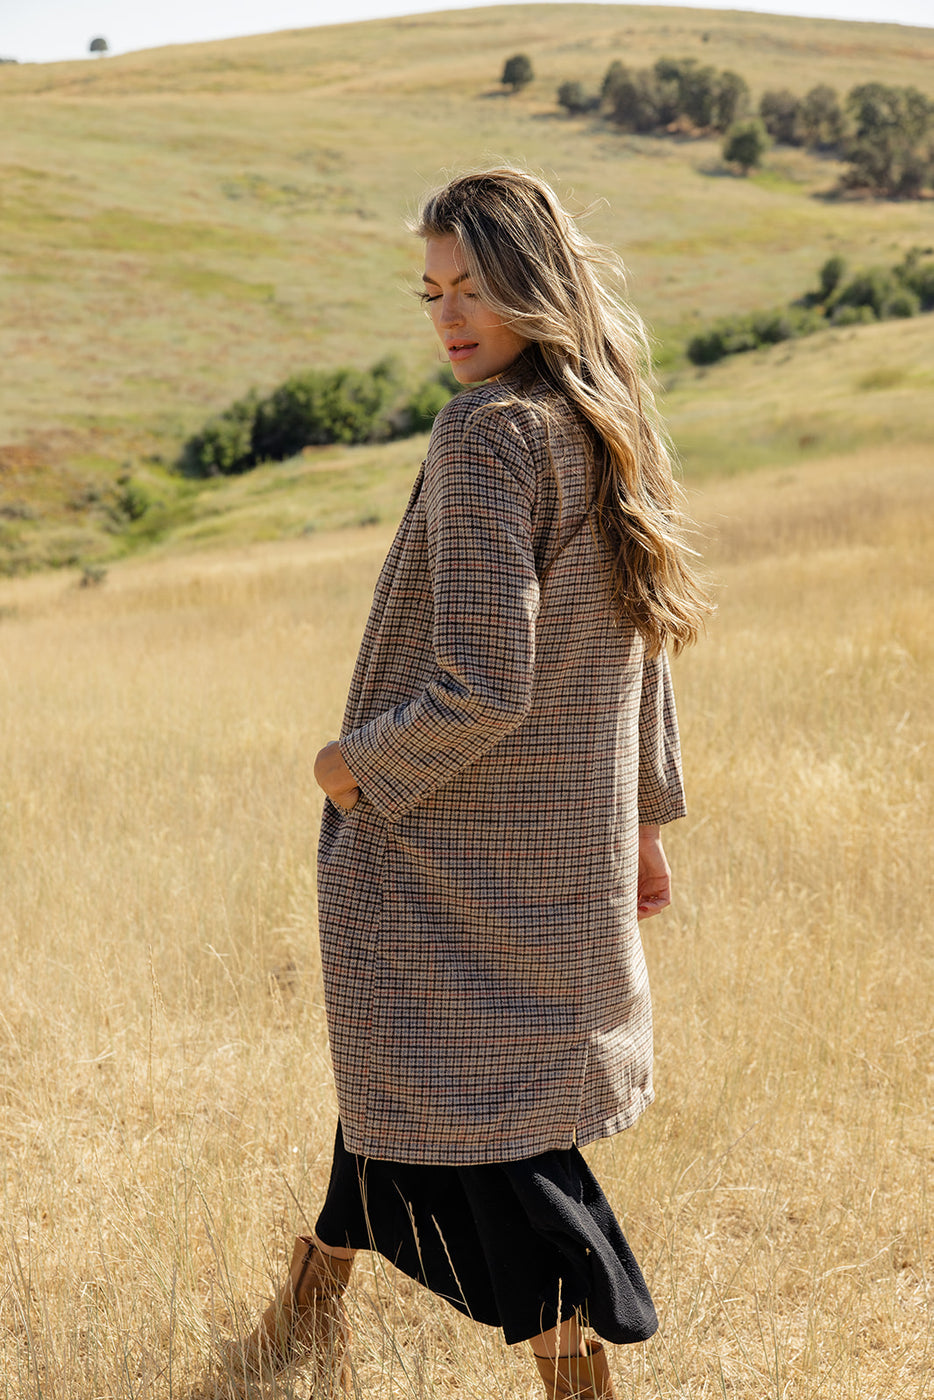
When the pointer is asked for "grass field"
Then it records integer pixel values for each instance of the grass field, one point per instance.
(165, 1102)
(181, 224)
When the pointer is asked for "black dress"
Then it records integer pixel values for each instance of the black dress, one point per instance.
(519, 1245)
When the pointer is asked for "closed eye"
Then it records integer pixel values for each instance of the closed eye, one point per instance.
(426, 297)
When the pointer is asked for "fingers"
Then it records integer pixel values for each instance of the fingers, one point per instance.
(653, 895)
(652, 904)
(348, 800)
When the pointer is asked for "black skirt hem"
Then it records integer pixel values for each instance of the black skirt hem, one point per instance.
(518, 1245)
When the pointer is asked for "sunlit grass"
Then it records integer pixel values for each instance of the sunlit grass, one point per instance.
(839, 391)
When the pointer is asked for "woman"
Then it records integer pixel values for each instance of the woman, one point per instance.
(491, 835)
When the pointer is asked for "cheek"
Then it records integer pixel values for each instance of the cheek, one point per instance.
(512, 341)
(500, 335)
(503, 335)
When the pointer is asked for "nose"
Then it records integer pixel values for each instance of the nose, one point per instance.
(450, 313)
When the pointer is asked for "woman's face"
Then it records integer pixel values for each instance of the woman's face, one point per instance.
(478, 343)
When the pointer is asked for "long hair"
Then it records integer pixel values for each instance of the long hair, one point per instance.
(534, 268)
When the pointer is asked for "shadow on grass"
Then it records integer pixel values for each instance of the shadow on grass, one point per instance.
(718, 170)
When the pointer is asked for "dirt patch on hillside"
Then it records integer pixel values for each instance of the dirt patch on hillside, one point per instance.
(20, 457)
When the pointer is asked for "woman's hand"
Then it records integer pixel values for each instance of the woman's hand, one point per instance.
(654, 873)
(333, 775)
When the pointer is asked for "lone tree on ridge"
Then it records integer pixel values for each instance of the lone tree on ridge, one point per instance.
(98, 46)
(517, 71)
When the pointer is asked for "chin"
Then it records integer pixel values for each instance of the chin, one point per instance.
(465, 375)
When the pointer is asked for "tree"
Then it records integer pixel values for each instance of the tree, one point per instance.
(746, 143)
(698, 93)
(820, 118)
(674, 93)
(665, 85)
(614, 74)
(779, 111)
(685, 89)
(635, 102)
(731, 101)
(890, 152)
(98, 46)
(574, 99)
(517, 72)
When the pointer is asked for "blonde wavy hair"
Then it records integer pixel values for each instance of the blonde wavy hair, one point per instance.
(533, 266)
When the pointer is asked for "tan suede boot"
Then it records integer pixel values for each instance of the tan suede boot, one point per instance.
(306, 1318)
(577, 1377)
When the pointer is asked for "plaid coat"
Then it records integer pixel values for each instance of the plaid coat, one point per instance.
(486, 990)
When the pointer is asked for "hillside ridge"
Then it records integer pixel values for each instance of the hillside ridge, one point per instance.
(181, 224)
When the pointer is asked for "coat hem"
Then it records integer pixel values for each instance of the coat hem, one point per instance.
(618, 1123)
(460, 1154)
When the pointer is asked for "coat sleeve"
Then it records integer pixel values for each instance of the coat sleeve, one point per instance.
(661, 793)
(479, 497)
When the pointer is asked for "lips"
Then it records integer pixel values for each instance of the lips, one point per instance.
(460, 349)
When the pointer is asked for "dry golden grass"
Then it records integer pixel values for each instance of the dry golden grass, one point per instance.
(165, 1102)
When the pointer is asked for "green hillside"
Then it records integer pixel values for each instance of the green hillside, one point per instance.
(181, 224)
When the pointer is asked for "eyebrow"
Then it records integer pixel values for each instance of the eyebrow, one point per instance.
(461, 277)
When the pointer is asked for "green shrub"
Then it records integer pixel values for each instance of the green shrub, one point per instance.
(313, 409)
(831, 275)
(734, 335)
(772, 327)
(319, 407)
(420, 411)
(133, 500)
(903, 303)
(806, 320)
(575, 100)
(918, 277)
(290, 418)
(853, 316)
(731, 335)
(224, 445)
(706, 348)
(873, 287)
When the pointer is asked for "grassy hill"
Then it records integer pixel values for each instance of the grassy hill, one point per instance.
(181, 224)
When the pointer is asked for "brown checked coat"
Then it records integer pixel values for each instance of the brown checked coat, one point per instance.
(486, 990)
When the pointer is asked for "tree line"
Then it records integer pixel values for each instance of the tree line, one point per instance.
(884, 134)
(316, 407)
